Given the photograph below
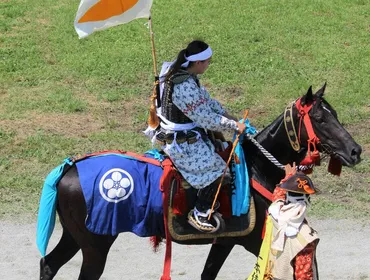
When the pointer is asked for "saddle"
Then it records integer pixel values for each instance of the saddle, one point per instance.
(181, 199)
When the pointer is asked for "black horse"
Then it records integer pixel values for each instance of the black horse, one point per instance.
(334, 141)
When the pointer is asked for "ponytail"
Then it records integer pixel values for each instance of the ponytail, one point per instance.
(176, 66)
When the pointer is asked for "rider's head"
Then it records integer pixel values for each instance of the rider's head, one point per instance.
(195, 58)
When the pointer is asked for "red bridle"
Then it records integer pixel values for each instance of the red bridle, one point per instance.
(312, 157)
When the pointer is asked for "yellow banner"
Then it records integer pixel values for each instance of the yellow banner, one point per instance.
(261, 267)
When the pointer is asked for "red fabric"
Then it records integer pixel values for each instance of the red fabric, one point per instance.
(303, 263)
(225, 203)
(134, 155)
(226, 153)
(168, 174)
(179, 206)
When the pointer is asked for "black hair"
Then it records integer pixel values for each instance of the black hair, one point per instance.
(194, 47)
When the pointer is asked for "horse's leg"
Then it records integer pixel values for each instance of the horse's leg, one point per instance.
(62, 253)
(72, 211)
(215, 260)
(94, 251)
(94, 247)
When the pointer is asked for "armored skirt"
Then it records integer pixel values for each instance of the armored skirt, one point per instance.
(198, 162)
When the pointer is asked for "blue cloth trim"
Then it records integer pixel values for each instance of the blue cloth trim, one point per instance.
(47, 208)
(154, 153)
(241, 195)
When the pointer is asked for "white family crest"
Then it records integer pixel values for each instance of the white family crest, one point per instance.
(116, 185)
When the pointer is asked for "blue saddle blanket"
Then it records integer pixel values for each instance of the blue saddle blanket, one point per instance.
(122, 195)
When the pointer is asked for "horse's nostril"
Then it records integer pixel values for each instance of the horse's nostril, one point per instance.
(356, 152)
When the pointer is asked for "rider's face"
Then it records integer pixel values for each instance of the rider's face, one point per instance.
(201, 66)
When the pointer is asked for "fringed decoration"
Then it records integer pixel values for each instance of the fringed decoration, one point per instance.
(314, 156)
(153, 120)
(155, 241)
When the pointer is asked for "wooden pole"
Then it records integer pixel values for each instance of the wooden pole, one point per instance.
(153, 47)
(227, 166)
(153, 120)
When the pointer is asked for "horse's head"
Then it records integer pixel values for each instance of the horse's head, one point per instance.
(332, 137)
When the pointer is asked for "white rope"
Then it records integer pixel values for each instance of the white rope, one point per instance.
(272, 159)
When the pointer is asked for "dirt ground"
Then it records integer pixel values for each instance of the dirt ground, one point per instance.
(343, 253)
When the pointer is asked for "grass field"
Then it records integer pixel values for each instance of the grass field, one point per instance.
(61, 96)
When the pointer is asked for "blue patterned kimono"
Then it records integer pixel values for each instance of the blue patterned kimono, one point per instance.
(198, 163)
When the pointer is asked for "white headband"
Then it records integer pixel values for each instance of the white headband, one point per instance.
(204, 55)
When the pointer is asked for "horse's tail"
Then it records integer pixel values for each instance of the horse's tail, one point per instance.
(47, 207)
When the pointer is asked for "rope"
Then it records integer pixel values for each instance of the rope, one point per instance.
(272, 159)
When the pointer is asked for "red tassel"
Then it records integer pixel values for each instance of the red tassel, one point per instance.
(335, 166)
(311, 158)
(316, 157)
(155, 241)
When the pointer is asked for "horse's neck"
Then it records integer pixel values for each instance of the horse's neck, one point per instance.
(274, 139)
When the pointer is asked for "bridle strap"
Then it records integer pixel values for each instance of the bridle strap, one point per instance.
(290, 128)
(305, 118)
(314, 156)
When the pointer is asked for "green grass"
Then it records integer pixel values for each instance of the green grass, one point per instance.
(61, 96)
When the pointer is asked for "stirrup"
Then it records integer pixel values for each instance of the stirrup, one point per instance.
(199, 220)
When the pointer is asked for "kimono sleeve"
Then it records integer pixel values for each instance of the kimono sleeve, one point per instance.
(213, 103)
(197, 106)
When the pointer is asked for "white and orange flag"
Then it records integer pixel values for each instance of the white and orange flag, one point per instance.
(94, 15)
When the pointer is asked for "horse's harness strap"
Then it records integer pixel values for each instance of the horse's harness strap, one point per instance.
(261, 189)
(289, 127)
(305, 117)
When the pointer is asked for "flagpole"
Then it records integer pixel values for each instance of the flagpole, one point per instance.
(153, 120)
(153, 46)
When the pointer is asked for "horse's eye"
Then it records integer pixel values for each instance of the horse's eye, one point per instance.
(320, 118)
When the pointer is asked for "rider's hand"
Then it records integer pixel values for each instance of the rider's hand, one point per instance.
(241, 127)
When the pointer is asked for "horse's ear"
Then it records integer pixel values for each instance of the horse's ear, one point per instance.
(308, 98)
(320, 92)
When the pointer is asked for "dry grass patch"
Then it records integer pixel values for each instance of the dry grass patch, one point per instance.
(71, 125)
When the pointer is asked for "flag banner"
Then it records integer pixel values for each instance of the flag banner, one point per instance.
(94, 15)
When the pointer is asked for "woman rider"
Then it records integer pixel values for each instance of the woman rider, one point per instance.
(187, 112)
